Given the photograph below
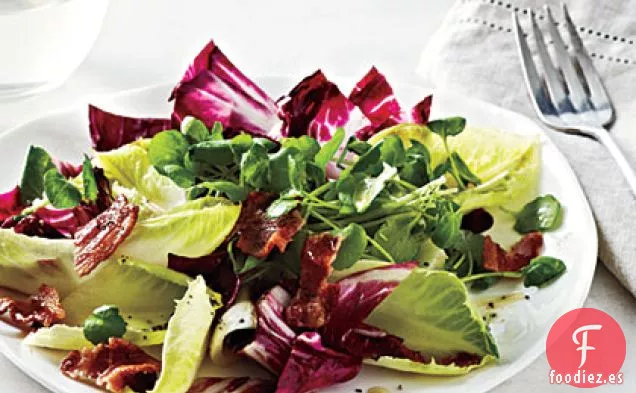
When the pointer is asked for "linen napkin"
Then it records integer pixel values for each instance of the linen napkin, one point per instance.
(474, 53)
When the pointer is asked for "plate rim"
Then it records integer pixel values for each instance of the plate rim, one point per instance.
(513, 369)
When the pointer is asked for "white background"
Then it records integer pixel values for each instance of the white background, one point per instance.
(149, 41)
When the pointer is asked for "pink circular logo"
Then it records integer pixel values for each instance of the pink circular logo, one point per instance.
(586, 348)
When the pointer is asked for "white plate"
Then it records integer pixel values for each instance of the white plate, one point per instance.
(520, 328)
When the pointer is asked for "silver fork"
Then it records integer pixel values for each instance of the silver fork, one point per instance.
(566, 97)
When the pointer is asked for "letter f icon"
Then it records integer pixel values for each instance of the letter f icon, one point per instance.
(583, 344)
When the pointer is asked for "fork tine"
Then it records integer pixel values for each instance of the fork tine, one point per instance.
(578, 97)
(555, 87)
(598, 94)
(536, 88)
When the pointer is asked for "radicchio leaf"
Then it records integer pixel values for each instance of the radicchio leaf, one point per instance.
(213, 89)
(67, 169)
(10, 204)
(273, 339)
(316, 107)
(67, 221)
(375, 97)
(355, 297)
(312, 366)
(231, 384)
(110, 131)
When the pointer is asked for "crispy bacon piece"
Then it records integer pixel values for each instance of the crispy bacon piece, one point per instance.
(498, 260)
(259, 234)
(98, 240)
(309, 308)
(41, 310)
(113, 366)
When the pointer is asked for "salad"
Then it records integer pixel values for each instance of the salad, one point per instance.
(308, 234)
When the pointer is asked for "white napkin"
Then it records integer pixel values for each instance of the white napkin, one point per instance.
(474, 53)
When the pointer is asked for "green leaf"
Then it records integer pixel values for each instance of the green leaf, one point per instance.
(354, 242)
(447, 230)
(167, 148)
(59, 191)
(240, 145)
(213, 153)
(290, 259)
(417, 169)
(266, 143)
(542, 214)
(183, 177)
(369, 163)
(542, 271)
(359, 190)
(431, 311)
(328, 150)
(216, 133)
(130, 167)
(38, 162)
(297, 172)
(401, 236)
(234, 192)
(88, 180)
(392, 151)
(279, 169)
(441, 169)
(21, 268)
(431, 368)
(104, 323)
(280, 207)
(186, 340)
(359, 147)
(464, 172)
(315, 174)
(307, 145)
(245, 265)
(466, 256)
(147, 302)
(195, 130)
(255, 167)
(192, 230)
(450, 126)
(484, 283)
(69, 338)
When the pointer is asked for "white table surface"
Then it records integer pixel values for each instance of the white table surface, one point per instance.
(149, 41)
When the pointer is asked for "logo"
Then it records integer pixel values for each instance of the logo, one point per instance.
(586, 348)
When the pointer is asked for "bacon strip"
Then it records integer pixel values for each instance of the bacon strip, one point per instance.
(98, 240)
(498, 260)
(308, 309)
(41, 310)
(113, 366)
(259, 234)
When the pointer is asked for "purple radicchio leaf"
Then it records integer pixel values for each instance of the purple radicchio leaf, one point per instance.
(213, 89)
(67, 169)
(10, 204)
(375, 97)
(273, 338)
(232, 385)
(316, 107)
(312, 366)
(357, 296)
(110, 131)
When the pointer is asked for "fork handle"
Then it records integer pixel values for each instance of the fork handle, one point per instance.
(604, 137)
